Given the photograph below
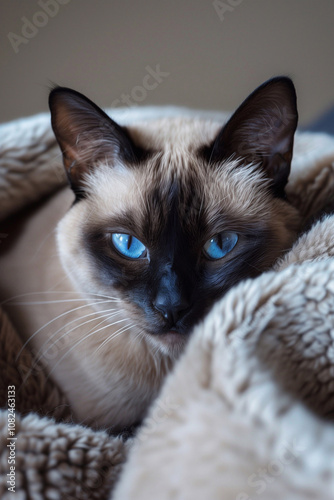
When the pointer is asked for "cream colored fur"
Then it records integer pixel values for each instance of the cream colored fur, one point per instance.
(226, 411)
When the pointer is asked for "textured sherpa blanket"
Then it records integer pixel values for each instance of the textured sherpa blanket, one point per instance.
(247, 412)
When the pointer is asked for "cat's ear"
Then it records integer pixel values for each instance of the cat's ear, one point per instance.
(86, 135)
(261, 131)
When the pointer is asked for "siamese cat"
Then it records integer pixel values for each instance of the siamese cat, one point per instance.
(168, 216)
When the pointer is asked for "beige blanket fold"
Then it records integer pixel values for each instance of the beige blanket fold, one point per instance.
(247, 412)
(242, 417)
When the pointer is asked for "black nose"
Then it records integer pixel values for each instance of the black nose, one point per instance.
(171, 312)
(171, 300)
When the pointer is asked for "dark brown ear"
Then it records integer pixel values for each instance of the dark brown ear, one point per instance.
(86, 135)
(262, 131)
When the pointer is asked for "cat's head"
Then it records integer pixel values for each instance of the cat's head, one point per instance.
(171, 213)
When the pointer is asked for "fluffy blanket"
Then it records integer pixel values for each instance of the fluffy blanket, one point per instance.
(247, 411)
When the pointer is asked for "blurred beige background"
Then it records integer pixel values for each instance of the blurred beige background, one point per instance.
(198, 53)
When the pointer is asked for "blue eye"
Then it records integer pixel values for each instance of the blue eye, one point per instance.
(220, 245)
(128, 245)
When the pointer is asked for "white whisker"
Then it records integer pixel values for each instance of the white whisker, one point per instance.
(100, 314)
(114, 335)
(105, 316)
(78, 343)
(98, 301)
(42, 243)
(51, 321)
(43, 292)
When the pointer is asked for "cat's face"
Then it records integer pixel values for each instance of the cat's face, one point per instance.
(173, 213)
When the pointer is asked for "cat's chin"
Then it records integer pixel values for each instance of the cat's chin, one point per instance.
(171, 343)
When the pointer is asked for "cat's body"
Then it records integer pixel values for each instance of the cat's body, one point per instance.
(169, 214)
